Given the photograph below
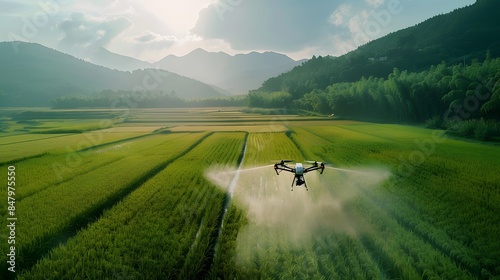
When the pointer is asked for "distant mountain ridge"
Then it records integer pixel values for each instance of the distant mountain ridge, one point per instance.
(237, 74)
(233, 74)
(35, 74)
(111, 60)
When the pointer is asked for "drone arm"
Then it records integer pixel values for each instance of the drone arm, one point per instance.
(321, 168)
(278, 168)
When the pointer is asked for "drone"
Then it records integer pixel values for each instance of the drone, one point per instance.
(299, 171)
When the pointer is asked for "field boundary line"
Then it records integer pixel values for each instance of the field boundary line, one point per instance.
(25, 141)
(115, 142)
(23, 159)
(69, 178)
(81, 150)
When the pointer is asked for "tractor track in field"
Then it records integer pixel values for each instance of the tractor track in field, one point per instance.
(30, 255)
(217, 231)
(114, 142)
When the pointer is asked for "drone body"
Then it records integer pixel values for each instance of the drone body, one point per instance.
(299, 171)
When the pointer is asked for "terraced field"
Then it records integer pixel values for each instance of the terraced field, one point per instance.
(148, 199)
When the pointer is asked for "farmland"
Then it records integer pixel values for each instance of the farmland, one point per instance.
(143, 194)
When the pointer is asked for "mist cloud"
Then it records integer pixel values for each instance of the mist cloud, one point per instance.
(154, 40)
(278, 216)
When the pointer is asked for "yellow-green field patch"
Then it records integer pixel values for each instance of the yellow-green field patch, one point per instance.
(247, 128)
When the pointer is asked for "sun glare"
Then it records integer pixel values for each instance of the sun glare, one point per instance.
(180, 16)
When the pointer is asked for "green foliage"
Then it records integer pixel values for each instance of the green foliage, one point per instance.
(435, 122)
(278, 99)
(129, 99)
(478, 129)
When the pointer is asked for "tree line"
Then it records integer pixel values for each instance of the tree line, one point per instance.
(153, 99)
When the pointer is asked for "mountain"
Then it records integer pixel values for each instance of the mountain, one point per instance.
(33, 75)
(111, 60)
(237, 74)
(465, 34)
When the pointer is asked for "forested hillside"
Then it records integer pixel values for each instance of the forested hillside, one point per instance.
(460, 36)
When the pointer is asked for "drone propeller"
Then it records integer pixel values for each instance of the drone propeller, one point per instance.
(318, 162)
(281, 161)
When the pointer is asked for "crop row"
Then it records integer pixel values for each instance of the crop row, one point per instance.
(405, 254)
(53, 169)
(164, 229)
(450, 200)
(65, 144)
(54, 213)
(267, 147)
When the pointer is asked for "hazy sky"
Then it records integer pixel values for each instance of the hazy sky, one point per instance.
(152, 29)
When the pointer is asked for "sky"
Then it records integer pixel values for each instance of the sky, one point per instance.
(152, 29)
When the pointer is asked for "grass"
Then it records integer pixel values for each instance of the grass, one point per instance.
(141, 208)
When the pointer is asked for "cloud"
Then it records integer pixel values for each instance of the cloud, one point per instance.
(154, 40)
(290, 25)
(82, 30)
(284, 25)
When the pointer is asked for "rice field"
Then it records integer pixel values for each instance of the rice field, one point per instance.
(191, 194)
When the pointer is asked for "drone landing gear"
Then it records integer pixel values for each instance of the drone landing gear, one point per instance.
(299, 182)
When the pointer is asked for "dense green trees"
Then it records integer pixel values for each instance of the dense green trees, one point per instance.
(453, 92)
(136, 99)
